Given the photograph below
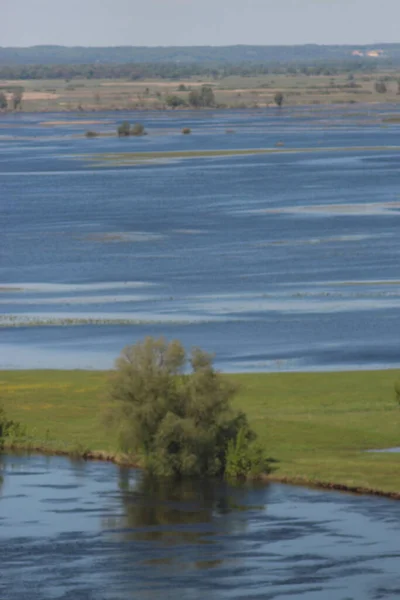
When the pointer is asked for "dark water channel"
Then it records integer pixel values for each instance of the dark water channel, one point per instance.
(92, 531)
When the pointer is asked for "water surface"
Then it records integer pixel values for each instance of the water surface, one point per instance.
(78, 531)
(273, 262)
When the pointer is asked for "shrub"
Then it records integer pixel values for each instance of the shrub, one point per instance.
(9, 430)
(186, 130)
(91, 134)
(244, 457)
(176, 423)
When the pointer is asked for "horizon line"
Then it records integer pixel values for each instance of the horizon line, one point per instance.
(110, 46)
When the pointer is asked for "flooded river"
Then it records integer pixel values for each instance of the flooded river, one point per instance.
(294, 253)
(72, 530)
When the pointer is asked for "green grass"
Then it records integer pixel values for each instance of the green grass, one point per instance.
(317, 425)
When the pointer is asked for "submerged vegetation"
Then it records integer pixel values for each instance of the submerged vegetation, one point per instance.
(91, 134)
(134, 158)
(180, 424)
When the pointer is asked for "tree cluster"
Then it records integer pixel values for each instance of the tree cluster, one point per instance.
(202, 98)
(125, 129)
(179, 423)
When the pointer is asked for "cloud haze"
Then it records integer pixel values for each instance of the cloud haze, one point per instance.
(190, 22)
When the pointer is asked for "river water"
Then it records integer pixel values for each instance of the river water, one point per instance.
(284, 261)
(76, 530)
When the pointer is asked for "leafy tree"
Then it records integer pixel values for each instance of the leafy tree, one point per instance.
(278, 99)
(124, 129)
(176, 423)
(3, 101)
(17, 99)
(380, 87)
(195, 99)
(207, 96)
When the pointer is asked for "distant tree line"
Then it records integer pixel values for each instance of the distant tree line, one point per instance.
(213, 70)
(303, 53)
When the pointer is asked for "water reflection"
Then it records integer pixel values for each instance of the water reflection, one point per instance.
(174, 512)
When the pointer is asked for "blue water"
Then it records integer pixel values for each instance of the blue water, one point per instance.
(72, 530)
(284, 261)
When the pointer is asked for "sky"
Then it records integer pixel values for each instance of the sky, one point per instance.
(197, 22)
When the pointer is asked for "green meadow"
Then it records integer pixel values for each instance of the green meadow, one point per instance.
(317, 426)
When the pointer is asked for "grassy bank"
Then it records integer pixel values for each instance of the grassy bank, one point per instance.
(317, 425)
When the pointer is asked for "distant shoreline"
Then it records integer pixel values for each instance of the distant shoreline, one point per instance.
(183, 110)
(231, 92)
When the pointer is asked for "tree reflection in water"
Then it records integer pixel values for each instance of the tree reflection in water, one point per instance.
(188, 515)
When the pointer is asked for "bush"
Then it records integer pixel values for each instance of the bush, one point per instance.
(278, 99)
(177, 423)
(186, 130)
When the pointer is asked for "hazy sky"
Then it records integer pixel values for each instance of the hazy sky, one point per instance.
(197, 22)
